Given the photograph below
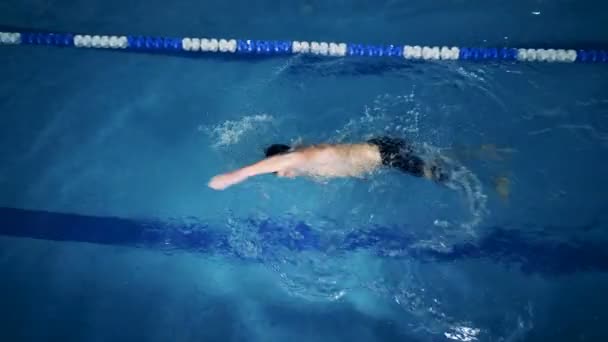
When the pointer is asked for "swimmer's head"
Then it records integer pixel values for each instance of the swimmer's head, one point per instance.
(276, 149)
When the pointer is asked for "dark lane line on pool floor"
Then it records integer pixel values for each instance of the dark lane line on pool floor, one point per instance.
(532, 252)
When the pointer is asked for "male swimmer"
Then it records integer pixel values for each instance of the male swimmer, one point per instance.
(330, 161)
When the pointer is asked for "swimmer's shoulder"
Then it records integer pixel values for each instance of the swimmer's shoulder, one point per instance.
(318, 152)
(314, 148)
(337, 149)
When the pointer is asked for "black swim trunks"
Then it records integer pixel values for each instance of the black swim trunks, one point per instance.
(399, 154)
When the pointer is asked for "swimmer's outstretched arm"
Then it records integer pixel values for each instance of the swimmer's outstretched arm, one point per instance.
(268, 165)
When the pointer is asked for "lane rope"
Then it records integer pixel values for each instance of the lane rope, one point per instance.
(273, 47)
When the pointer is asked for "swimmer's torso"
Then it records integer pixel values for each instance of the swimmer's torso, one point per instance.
(350, 160)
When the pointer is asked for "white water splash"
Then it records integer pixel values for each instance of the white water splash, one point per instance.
(467, 183)
(395, 115)
(230, 132)
(476, 75)
(462, 180)
(462, 333)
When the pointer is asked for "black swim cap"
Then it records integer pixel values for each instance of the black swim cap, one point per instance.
(275, 149)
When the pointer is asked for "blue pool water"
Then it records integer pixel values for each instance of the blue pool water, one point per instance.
(108, 231)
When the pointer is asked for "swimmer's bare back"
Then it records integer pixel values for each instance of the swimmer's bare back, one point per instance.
(320, 161)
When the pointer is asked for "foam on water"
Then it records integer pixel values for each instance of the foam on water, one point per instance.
(462, 333)
(464, 181)
(230, 132)
(393, 115)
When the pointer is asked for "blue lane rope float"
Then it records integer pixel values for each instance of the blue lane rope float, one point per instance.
(271, 47)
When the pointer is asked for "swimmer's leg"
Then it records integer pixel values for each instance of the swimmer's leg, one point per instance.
(502, 185)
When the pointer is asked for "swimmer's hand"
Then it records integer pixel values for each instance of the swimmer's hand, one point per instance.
(221, 182)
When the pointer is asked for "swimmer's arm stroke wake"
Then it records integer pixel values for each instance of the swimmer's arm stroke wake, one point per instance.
(269, 165)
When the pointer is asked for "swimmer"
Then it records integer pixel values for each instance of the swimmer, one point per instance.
(332, 161)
